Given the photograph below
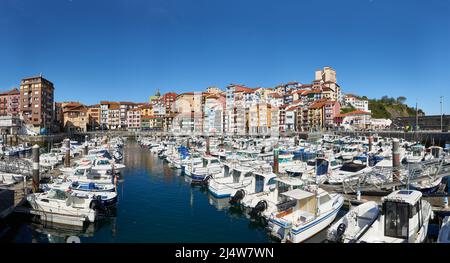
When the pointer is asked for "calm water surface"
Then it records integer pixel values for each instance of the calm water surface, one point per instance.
(156, 204)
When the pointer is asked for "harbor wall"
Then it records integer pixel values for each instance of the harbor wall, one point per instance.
(426, 137)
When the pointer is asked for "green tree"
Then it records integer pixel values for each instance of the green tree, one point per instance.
(401, 100)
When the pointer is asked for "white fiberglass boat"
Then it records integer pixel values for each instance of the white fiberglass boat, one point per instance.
(404, 218)
(267, 202)
(348, 171)
(354, 223)
(63, 207)
(315, 209)
(85, 174)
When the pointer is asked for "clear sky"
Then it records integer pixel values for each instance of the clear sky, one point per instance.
(126, 49)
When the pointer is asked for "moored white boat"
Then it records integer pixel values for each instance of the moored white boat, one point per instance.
(314, 210)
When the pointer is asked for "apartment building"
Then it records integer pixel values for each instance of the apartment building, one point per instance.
(75, 117)
(9, 102)
(134, 119)
(359, 104)
(36, 103)
(94, 113)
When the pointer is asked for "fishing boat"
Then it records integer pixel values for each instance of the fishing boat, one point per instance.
(403, 218)
(314, 210)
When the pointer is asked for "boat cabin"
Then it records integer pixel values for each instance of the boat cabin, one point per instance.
(402, 211)
(264, 180)
(436, 151)
(210, 161)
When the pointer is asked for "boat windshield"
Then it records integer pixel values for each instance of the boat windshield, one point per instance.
(349, 150)
(79, 171)
(57, 194)
(102, 162)
(396, 220)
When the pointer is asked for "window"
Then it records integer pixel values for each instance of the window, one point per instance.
(396, 219)
(324, 199)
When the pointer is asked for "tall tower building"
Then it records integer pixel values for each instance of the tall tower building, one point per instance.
(36, 102)
(328, 74)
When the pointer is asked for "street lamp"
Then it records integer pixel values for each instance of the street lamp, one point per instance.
(442, 113)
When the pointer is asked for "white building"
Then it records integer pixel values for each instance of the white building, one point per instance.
(359, 104)
(380, 124)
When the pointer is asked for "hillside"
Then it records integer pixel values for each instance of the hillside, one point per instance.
(390, 108)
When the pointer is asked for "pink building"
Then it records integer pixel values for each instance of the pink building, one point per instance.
(9, 102)
(331, 110)
(134, 119)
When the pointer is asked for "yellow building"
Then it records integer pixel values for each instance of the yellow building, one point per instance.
(75, 116)
(146, 110)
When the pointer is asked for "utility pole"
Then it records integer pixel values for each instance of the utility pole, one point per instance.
(417, 116)
(442, 113)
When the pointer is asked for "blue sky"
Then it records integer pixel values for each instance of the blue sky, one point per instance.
(126, 49)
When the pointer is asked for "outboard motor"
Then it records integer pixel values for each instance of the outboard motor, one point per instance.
(260, 207)
(340, 231)
(96, 204)
(206, 180)
(240, 194)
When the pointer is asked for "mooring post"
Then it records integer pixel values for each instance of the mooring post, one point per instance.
(275, 161)
(67, 156)
(35, 172)
(85, 145)
(396, 157)
(207, 144)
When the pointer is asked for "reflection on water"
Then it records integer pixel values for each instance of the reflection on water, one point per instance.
(155, 204)
(219, 203)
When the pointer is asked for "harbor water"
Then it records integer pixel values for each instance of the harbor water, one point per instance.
(156, 204)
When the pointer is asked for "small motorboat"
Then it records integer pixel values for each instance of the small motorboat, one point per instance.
(315, 209)
(353, 224)
(403, 218)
